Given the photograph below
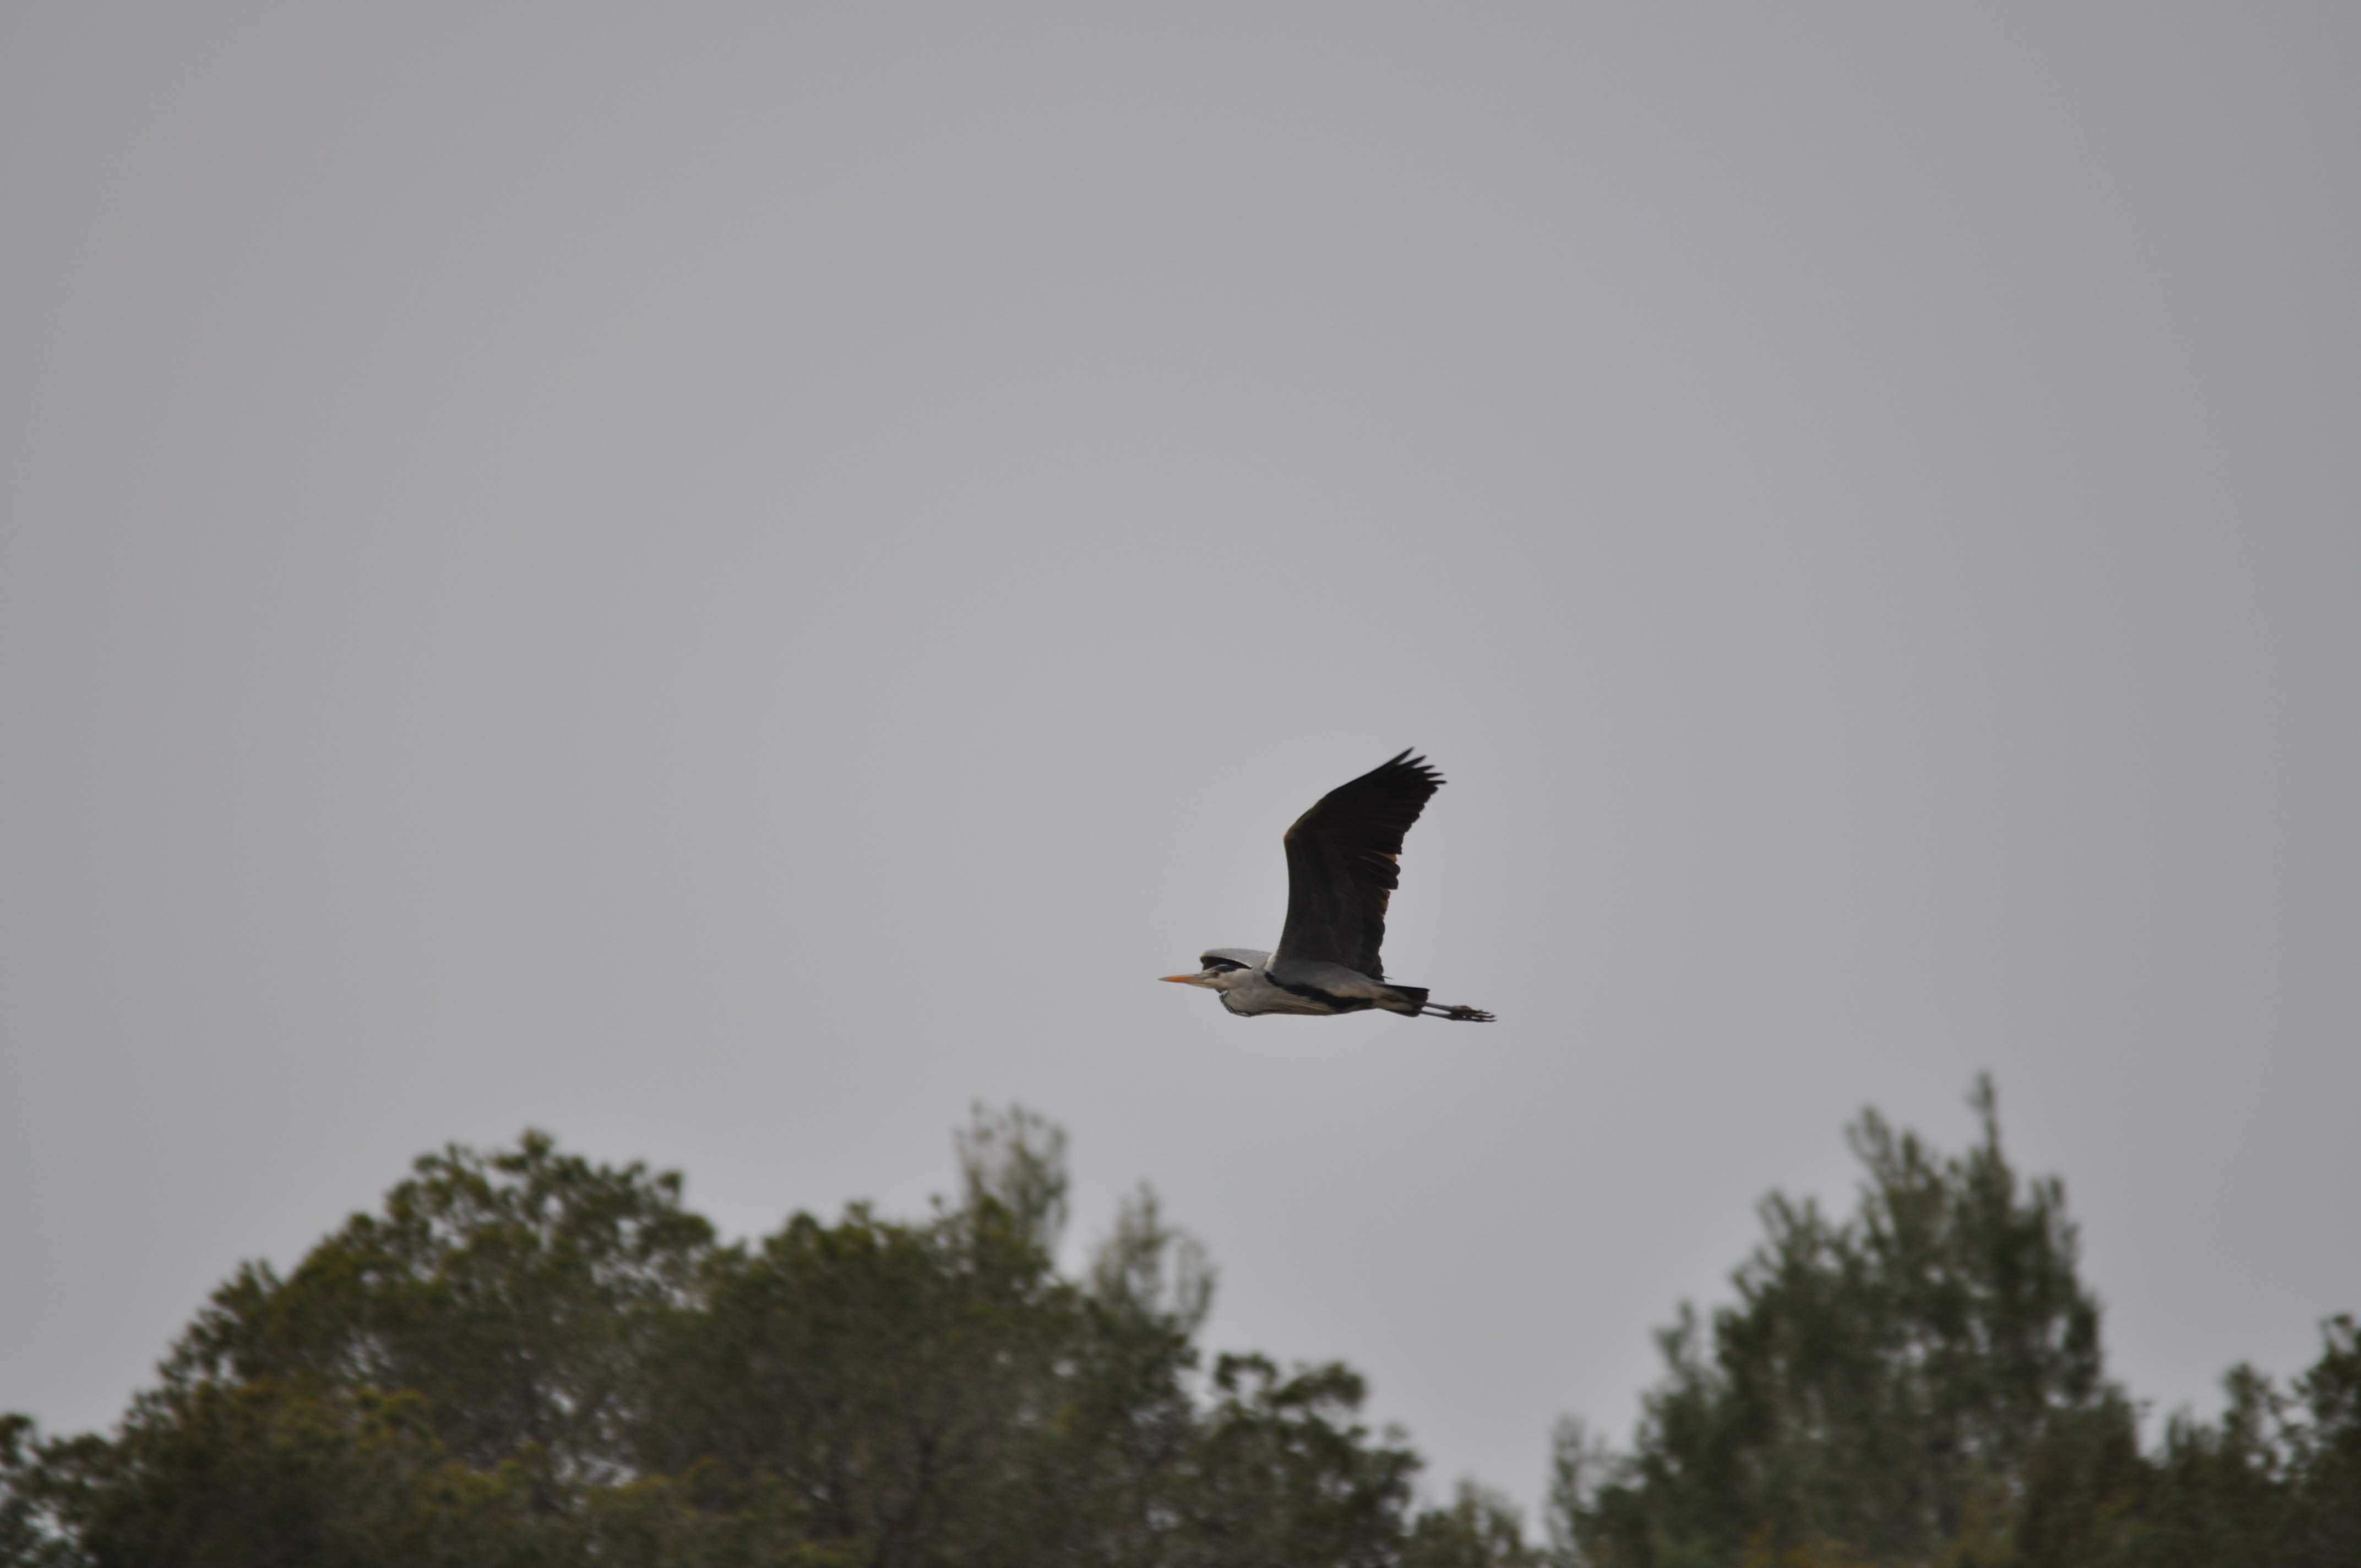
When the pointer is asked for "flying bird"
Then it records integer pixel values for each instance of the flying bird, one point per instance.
(1342, 866)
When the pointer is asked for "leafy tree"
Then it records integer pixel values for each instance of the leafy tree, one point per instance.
(2324, 1452)
(1874, 1383)
(2276, 1480)
(1921, 1384)
(936, 1391)
(528, 1359)
(32, 1533)
(1012, 1168)
(518, 1294)
(1479, 1529)
(886, 1373)
(264, 1473)
(1129, 1428)
(1284, 1473)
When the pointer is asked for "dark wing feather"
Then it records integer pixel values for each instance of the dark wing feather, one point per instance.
(1341, 865)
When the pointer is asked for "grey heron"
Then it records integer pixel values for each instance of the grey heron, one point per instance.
(1342, 866)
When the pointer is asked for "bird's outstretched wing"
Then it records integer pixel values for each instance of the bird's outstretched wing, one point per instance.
(1341, 865)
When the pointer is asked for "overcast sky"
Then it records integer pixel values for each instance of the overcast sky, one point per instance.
(727, 581)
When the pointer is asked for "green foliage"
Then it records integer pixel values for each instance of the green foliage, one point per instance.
(264, 1473)
(518, 1294)
(2276, 1480)
(1479, 1529)
(886, 1374)
(1285, 1475)
(32, 1535)
(527, 1360)
(1922, 1384)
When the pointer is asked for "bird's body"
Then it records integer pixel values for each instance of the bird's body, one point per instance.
(1342, 869)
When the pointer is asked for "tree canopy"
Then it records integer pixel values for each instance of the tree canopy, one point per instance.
(528, 1358)
(524, 1358)
(1921, 1383)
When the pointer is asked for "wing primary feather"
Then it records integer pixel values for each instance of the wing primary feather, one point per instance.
(1343, 864)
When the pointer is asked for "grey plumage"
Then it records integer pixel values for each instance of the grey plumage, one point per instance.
(1342, 866)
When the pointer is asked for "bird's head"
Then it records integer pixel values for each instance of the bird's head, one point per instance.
(1221, 969)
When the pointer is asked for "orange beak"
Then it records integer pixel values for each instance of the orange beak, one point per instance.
(1178, 979)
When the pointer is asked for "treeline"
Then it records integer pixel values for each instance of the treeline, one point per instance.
(1922, 1383)
(526, 1359)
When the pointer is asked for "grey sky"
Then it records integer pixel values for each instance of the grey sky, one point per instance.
(729, 580)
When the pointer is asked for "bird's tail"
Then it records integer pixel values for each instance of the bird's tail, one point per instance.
(1410, 1001)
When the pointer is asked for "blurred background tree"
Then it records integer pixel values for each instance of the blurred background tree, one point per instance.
(528, 1359)
(1922, 1384)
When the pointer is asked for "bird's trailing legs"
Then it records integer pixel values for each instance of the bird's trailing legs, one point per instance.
(1463, 1015)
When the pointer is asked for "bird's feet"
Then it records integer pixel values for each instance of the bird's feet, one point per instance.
(1463, 1014)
